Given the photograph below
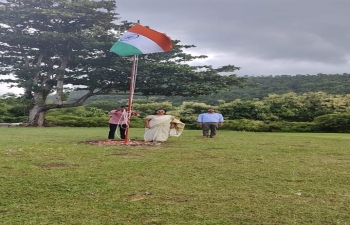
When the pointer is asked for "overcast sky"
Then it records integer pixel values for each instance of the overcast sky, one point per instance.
(263, 37)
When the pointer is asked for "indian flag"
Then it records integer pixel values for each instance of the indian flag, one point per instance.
(141, 40)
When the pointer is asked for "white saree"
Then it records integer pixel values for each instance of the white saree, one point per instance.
(160, 128)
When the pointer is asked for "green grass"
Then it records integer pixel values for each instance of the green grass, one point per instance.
(49, 176)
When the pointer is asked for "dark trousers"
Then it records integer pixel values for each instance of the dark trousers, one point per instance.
(113, 128)
(212, 127)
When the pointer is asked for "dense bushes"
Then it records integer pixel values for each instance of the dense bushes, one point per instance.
(82, 117)
(335, 123)
(260, 126)
(13, 109)
(76, 121)
(310, 112)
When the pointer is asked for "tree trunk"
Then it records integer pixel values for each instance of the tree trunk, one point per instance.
(37, 113)
(60, 80)
(37, 116)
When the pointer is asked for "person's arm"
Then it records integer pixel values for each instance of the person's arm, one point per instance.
(112, 112)
(134, 113)
(200, 120)
(147, 123)
(221, 120)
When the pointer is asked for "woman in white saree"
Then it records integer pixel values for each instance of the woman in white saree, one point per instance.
(160, 126)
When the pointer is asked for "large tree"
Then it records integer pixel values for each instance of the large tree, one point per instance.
(50, 45)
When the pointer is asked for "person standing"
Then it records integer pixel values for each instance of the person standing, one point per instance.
(160, 126)
(210, 121)
(119, 119)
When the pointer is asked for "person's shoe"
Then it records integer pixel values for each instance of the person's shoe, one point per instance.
(212, 136)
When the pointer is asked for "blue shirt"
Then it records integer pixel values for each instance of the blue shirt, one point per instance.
(210, 117)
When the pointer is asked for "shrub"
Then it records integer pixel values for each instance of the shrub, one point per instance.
(11, 119)
(136, 122)
(297, 126)
(76, 121)
(245, 125)
(192, 126)
(337, 123)
(260, 126)
(149, 108)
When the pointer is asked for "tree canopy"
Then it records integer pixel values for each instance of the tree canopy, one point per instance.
(53, 45)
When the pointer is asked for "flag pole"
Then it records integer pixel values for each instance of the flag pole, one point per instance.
(131, 91)
(131, 95)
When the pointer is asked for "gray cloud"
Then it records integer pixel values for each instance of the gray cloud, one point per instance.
(261, 36)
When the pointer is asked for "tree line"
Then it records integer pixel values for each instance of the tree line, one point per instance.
(257, 87)
(289, 112)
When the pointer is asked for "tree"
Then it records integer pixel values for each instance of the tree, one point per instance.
(50, 45)
(251, 109)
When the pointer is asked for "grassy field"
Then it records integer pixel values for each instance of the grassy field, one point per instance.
(50, 176)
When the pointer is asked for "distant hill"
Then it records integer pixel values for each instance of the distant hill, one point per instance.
(279, 84)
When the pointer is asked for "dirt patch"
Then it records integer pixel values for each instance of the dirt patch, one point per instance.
(122, 143)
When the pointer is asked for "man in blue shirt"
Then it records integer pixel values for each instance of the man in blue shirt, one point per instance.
(210, 121)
